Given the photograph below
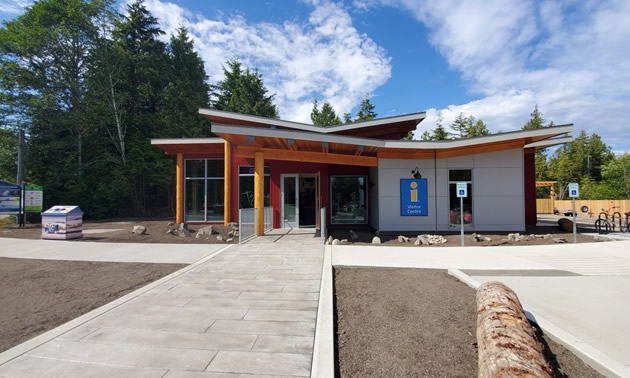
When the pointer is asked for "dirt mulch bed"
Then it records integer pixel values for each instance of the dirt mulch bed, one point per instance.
(156, 232)
(415, 322)
(38, 295)
(454, 238)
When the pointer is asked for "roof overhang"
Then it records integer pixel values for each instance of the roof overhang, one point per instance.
(549, 143)
(173, 146)
(401, 124)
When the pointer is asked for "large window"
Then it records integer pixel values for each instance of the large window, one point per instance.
(348, 199)
(204, 190)
(455, 176)
(246, 187)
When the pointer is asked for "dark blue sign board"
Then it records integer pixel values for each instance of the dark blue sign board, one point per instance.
(413, 197)
(10, 195)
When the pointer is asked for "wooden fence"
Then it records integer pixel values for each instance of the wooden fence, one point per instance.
(546, 205)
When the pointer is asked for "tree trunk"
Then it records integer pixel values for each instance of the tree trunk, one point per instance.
(507, 343)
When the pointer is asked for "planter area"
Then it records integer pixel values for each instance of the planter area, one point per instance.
(415, 322)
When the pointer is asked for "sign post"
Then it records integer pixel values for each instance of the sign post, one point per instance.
(462, 192)
(574, 191)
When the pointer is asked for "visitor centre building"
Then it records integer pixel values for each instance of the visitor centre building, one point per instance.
(362, 173)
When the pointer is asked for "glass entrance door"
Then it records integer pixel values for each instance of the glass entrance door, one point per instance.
(290, 201)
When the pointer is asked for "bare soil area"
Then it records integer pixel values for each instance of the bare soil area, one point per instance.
(415, 323)
(120, 232)
(454, 238)
(38, 295)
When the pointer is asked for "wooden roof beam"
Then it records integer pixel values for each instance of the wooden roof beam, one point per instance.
(358, 150)
(308, 156)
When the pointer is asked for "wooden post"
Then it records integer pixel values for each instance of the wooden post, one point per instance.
(259, 193)
(179, 198)
(227, 182)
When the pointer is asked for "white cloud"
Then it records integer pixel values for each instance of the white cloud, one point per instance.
(14, 7)
(569, 57)
(324, 58)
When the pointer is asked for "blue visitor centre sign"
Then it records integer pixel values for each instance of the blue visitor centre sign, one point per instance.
(413, 197)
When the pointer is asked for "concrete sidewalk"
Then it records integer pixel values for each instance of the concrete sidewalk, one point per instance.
(108, 252)
(580, 288)
(249, 310)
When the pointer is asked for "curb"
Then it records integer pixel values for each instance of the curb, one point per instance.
(591, 356)
(323, 364)
(36, 341)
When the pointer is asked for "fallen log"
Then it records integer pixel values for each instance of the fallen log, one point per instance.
(507, 343)
(565, 224)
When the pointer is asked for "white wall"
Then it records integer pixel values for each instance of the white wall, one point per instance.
(497, 189)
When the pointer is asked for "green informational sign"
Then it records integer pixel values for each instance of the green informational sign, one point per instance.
(33, 198)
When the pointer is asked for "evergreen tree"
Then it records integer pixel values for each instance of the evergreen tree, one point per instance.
(8, 155)
(186, 91)
(460, 125)
(366, 111)
(478, 128)
(440, 133)
(536, 121)
(347, 118)
(324, 117)
(243, 91)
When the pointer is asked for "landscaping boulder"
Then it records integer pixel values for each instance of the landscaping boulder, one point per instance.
(329, 240)
(376, 240)
(565, 224)
(560, 240)
(232, 224)
(182, 231)
(481, 238)
(422, 240)
(336, 242)
(219, 238)
(208, 230)
(229, 240)
(139, 230)
(403, 239)
(170, 224)
(343, 241)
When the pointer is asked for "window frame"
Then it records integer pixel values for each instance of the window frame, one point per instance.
(205, 179)
(238, 183)
(470, 195)
(330, 194)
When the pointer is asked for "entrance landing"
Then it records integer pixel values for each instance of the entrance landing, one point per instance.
(249, 310)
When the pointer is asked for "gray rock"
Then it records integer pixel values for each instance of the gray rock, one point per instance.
(232, 224)
(219, 238)
(560, 240)
(547, 236)
(329, 240)
(353, 236)
(229, 240)
(403, 239)
(336, 242)
(343, 241)
(377, 233)
(183, 232)
(170, 231)
(139, 230)
(376, 240)
(208, 230)
(231, 233)
(537, 236)
(170, 224)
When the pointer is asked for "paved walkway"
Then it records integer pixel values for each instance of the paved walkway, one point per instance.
(109, 252)
(249, 310)
(580, 288)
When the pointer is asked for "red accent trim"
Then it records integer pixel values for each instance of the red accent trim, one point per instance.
(529, 170)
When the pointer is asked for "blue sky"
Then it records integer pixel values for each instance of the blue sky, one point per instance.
(494, 59)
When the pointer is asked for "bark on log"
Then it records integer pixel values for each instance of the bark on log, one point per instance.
(507, 343)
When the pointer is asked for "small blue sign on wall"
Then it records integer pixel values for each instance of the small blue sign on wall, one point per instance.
(413, 197)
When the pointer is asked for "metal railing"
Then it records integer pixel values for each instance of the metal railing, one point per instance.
(246, 224)
(268, 215)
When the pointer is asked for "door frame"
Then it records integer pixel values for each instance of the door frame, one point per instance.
(297, 177)
(283, 221)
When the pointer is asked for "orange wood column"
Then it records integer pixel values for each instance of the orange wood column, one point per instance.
(227, 182)
(179, 189)
(259, 192)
